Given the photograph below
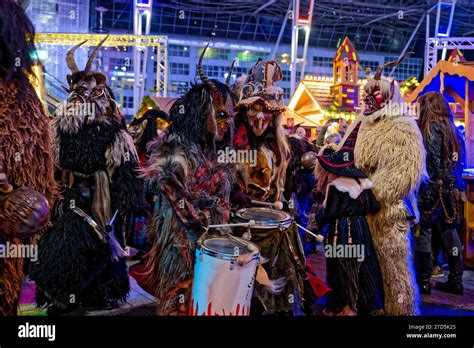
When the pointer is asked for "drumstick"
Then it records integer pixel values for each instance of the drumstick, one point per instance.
(277, 205)
(319, 238)
(251, 223)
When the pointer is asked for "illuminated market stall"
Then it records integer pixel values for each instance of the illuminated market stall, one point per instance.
(319, 98)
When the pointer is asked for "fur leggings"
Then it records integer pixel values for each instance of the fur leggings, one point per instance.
(391, 241)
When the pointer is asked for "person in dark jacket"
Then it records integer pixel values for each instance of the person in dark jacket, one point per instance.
(440, 196)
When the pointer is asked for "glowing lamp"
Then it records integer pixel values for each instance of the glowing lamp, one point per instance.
(143, 3)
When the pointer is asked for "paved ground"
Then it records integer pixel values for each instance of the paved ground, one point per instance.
(137, 299)
(438, 303)
(142, 303)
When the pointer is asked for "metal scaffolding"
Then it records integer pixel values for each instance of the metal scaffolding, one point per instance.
(382, 26)
(157, 42)
(443, 25)
(162, 71)
(436, 44)
(299, 22)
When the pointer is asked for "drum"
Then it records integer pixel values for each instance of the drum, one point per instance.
(221, 286)
(269, 223)
(277, 238)
(265, 218)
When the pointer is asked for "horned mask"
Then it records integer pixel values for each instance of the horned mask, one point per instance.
(90, 99)
(223, 109)
(379, 91)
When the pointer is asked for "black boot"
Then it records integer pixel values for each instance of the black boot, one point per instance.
(454, 283)
(450, 287)
(423, 271)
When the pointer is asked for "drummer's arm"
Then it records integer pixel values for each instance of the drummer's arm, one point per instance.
(170, 179)
(240, 199)
(196, 221)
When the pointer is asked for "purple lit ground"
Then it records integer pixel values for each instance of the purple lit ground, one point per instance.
(142, 303)
(438, 303)
(137, 298)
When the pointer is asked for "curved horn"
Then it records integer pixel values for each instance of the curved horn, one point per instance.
(205, 80)
(378, 74)
(94, 52)
(70, 61)
(227, 80)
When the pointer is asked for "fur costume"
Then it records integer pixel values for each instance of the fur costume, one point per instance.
(259, 127)
(389, 149)
(192, 187)
(300, 182)
(96, 161)
(144, 129)
(27, 183)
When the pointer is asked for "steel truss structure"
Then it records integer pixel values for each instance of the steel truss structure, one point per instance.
(433, 45)
(157, 42)
(382, 26)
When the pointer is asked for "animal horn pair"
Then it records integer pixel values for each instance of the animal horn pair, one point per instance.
(227, 81)
(378, 74)
(71, 62)
(202, 75)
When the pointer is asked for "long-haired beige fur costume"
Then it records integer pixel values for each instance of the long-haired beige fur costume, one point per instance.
(389, 149)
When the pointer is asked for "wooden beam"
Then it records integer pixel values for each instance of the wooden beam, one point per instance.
(457, 98)
(468, 127)
(447, 68)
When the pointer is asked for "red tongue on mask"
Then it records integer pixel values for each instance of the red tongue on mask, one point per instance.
(379, 100)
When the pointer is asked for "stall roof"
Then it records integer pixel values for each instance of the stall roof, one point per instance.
(452, 76)
(299, 120)
(164, 104)
(313, 96)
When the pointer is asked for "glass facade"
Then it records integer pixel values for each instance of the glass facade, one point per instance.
(251, 56)
(408, 68)
(215, 53)
(179, 68)
(178, 51)
(183, 54)
(179, 87)
(372, 64)
(323, 62)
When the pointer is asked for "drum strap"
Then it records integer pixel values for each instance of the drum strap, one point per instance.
(299, 262)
